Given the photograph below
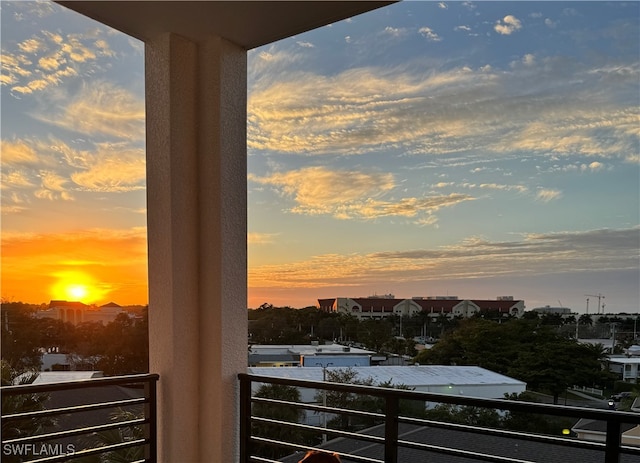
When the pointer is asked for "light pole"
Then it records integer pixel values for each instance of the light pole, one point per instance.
(324, 399)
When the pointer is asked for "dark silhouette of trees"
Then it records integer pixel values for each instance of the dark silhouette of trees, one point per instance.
(20, 336)
(23, 403)
(117, 348)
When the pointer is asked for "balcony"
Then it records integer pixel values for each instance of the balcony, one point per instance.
(77, 424)
(391, 435)
(101, 419)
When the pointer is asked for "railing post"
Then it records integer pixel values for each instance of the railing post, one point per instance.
(391, 429)
(612, 449)
(151, 413)
(245, 418)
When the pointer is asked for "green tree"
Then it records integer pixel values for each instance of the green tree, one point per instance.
(524, 349)
(349, 401)
(280, 412)
(472, 416)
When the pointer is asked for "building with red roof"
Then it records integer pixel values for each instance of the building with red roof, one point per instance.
(378, 307)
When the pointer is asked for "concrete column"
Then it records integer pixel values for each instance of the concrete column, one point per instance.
(197, 212)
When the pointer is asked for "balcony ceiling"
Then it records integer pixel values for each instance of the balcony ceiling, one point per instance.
(248, 24)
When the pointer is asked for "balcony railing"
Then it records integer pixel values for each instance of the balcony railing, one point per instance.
(101, 419)
(395, 437)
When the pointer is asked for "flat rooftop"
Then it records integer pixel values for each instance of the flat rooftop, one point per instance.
(413, 376)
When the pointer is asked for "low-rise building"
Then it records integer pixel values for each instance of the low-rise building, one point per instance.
(471, 381)
(315, 354)
(75, 312)
(378, 307)
(628, 367)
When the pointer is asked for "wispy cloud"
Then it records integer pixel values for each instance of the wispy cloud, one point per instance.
(45, 60)
(112, 169)
(353, 195)
(475, 257)
(433, 112)
(546, 195)
(99, 108)
(261, 238)
(429, 34)
(52, 170)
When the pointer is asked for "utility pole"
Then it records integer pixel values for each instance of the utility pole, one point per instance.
(324, 399)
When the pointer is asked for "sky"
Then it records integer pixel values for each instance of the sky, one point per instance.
(470, 149)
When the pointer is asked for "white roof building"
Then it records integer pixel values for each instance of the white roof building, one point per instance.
(469, 381)
(264, 355)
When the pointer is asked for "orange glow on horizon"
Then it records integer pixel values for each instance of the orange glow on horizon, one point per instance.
(91, 266)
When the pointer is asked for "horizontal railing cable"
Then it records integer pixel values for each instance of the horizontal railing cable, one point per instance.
(611, 449)
(138, 413)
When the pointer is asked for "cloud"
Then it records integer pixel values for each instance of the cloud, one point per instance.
(352, 195)
(429, 34)
(32, 46)
(442, 5)
(112, 169)
(51, 62)
(394, 31)
(52, 170)
(261, 238)
(14, 179)
(529, 59)
(459, 110)
(17, 153)
(497, 186)
(547, 195)
(45, 60)
(100, 108)
(474, 257)
(53, 187)
(594, 166)
(306, 44)
(507, 25)
(462, 28)
(351, 113)
(317, 190)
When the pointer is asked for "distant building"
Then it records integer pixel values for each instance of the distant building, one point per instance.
(552, 310)
(308, 355)
(76, 312)
(627, 367)
(53, 361)
(382, 307)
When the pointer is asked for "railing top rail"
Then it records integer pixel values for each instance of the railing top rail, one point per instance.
(79, 384)
(501, 404)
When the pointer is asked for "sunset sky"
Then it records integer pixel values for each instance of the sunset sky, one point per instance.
(475, 149)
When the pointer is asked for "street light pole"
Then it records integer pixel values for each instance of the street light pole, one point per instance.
(324, 399)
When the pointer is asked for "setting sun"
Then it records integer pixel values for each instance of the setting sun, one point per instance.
(76, 286)
(77, 292)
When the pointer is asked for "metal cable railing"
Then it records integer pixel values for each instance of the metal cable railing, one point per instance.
(399, 438)
(114, 417)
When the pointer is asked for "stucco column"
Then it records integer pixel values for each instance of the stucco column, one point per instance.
(197, 213)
